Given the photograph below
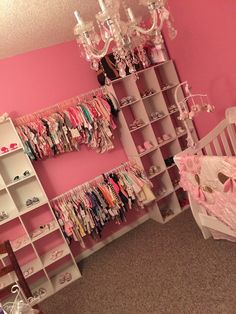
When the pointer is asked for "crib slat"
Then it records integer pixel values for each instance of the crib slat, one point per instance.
(232, 137)
(208, 150)
(225, 144)
(217, 147)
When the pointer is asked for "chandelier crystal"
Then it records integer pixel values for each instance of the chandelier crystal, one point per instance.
(124, 38)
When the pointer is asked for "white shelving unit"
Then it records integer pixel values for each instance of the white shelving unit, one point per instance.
(30, 228)
(162, 79)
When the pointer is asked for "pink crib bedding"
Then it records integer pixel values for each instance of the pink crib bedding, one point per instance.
(211, 181)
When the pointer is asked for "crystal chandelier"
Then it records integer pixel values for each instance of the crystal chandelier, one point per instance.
(124, 38)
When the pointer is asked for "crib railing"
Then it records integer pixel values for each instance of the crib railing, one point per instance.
(221, 141)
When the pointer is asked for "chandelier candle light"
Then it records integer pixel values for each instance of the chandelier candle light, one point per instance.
(125, 37)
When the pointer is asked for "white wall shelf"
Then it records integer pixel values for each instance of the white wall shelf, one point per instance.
(21, 223)
(162, 79)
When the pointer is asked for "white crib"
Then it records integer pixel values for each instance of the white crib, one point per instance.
(221, 141)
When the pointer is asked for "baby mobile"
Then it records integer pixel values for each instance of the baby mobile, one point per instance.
(190, 106)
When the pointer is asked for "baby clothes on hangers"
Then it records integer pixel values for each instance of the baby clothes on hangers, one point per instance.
(89, 123)
(86, 211)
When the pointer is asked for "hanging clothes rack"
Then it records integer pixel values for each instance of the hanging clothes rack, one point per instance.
(59, 106)
(98, 178)
(87, 208)
(84, 119)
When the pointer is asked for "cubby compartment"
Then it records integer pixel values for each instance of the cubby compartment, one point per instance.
(148, 82)
(15, 233)
(155, 105)
(53, 249)
(169, 207)
(40, 222)
(135, 112)
(144, 138)
(170, 149)
(15, 167)
(154, 159)
(166, 74)
(162, 185)
(27, 194)
(126, 87)
(40, 286)
(10, 135)
(163, 128)
(62, 273)
(28, 261)
(183, 199)
(8, 209)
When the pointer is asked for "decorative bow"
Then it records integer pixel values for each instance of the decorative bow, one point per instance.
(229, 185)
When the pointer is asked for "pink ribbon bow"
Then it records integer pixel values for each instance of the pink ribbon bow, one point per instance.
(229, 185)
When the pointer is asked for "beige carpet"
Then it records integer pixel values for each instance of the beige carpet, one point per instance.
(154, 269)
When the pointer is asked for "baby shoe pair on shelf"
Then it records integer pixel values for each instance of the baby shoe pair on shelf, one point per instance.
(5, 149)
(65, 278)
(32, 201)
(127, 100)
(148, 92)
(153, 170)
(147, 145)
(173, 108)
(164, 138)
(165, 87)
(156, 115)
(180, 130)
(136, 124)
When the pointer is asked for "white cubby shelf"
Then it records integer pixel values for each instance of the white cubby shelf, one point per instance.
(161, 79)
(30, 227)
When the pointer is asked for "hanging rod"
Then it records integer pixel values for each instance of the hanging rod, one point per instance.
(59, 106)
(123, 165)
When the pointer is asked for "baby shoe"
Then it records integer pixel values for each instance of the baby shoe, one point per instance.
(13, 146)
(4, 150)
(140, 149)
(35, 199)
(139, 123)
(148, 145)
(124, 101)
(166, 137)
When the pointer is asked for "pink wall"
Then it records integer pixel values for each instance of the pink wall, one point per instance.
(205, 56)
(41, 78)
(205, 51)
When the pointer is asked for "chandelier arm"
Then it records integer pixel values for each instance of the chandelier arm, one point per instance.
(153, 27)
(95, 53)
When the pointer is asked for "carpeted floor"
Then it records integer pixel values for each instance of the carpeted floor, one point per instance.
(154, 269)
